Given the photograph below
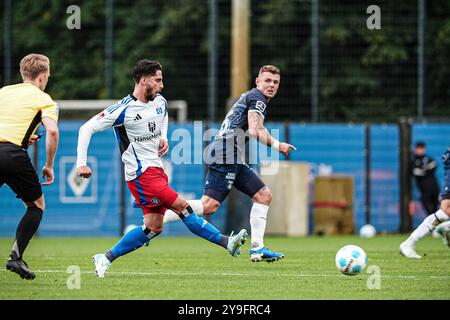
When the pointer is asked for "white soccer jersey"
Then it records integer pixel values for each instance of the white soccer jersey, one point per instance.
(138, 128)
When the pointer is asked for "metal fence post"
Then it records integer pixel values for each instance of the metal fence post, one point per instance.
(420, 58)
(7, 46)
(212, 60)
(367, 154)
(314, 60)
(405, 175)
(109, 48)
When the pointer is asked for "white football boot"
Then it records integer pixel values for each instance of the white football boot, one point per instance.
(236, 241)
(408, 251)
(102, 264)
(444, 231)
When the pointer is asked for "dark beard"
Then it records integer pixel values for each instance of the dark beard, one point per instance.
(148, 94)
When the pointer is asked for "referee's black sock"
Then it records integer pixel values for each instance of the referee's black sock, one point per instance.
(25, 230)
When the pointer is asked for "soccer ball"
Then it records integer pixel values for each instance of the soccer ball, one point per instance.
(367, 231)
(351, 260)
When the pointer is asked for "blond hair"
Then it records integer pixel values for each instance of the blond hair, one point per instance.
(269, 68)
(33, 65)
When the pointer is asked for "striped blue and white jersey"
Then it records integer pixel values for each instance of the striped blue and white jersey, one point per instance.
(138, 127)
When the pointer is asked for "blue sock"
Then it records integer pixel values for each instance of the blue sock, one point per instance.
(204, 229)
(131, 241)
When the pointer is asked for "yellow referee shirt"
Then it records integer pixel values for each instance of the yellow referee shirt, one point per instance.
(21, 108)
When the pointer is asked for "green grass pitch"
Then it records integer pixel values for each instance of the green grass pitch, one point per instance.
(191, 268)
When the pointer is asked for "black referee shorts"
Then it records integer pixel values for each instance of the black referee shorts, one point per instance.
(18, 173)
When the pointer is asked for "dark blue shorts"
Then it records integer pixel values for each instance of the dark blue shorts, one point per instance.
(222, 177)
(445, 193)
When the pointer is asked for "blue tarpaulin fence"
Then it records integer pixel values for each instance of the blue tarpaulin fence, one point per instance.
(78, 208)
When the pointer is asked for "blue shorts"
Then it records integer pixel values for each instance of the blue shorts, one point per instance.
(222, 177)
(445, 193)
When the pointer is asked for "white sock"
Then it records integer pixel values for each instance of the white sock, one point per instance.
(258, 220)
(196, 205)
(442, 216)
(170, 216)
(446, 225)
(426, 227)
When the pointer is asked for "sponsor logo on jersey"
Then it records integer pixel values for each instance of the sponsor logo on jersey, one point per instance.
(230, 176)
(261, 106)
(147, 138)
(155, 200)
(152, 126)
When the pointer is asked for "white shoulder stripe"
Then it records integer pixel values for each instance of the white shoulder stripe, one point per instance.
(120, 105)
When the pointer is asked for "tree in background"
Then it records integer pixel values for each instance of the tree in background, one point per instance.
(365, 75)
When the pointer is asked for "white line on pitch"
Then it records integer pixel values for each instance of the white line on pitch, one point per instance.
(226, 274)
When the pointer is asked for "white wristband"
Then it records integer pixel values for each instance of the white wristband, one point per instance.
(275, 144)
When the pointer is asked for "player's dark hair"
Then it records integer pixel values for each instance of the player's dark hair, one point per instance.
(420, 144)
(145, 68)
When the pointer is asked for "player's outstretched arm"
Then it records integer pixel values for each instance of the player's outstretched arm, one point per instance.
(84, 137)
(51, 144)
(97, 123)
(258, 131)
(164, 143)
(285, 148)
(110, 117)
